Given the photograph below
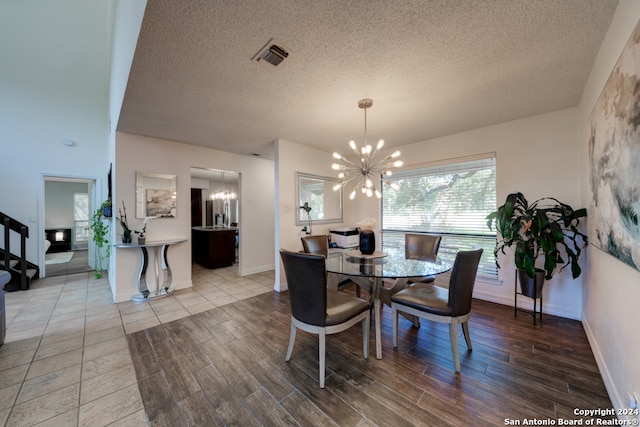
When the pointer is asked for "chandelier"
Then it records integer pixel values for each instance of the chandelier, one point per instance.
(222, 193)
(365, 173)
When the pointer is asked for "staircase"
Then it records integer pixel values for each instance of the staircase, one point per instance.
(22, 271)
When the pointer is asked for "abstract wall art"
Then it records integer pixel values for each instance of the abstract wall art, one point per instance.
(614, 148)
(161, 203)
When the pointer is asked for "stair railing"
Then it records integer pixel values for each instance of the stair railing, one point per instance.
(11, 224)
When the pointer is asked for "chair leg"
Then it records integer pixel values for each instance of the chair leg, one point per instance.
(365, 336)
(453, 338)
(467, 337)
(292, 340)
(321, 356)
(394, 320)
(416, 321)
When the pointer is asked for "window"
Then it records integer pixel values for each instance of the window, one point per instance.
(449, 199)
(81, 217)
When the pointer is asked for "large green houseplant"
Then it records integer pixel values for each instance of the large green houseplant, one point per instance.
(545, 228)
(100, 231)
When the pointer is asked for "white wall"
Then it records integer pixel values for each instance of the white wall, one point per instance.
(126, 20)
(46, 98)
(145, 154)
(293, 157)
(611, 316)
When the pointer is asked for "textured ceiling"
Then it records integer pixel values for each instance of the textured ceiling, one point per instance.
(433, 68)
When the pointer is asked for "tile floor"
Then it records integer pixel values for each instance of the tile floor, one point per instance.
(65, 360)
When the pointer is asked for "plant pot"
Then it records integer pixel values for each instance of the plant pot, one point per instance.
(126, 237)
(142, 240)
(531, 287)
(106, 211)
(367, 242)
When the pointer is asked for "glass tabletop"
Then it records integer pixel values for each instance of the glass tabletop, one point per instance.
(393, 265)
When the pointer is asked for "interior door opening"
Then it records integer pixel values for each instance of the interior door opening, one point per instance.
(215, 213)
(66, 244)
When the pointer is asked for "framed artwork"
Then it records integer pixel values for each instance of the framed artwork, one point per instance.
(156, 195)
(614, 148)
(160, 203)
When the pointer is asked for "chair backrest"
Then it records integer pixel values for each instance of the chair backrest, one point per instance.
(307, 283)
(316, 244)
(421, 246)
(463, 278)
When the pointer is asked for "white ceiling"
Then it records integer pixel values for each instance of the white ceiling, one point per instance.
(432, 68)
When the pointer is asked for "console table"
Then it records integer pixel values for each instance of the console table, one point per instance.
(161, 248)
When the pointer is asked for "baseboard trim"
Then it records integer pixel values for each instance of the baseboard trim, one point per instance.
(255, 270)
(616, 400)
(527, 304)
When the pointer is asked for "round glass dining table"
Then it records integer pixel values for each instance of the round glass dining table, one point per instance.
(389, 264)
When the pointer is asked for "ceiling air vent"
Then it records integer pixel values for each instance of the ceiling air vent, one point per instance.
(272, 53)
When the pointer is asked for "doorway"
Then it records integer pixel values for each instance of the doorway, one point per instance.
(215, 204)
(66, 218)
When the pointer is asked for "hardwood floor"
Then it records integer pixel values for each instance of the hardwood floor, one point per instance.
(226, 366)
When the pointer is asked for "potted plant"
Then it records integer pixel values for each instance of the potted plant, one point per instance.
(307, 209)
(142, 234)
(542, 232)
(100, 230)
(106, 208)
(126, 231)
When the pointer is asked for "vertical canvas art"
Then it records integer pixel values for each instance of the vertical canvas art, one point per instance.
(614, 146)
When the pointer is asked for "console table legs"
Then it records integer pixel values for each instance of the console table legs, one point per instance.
(161, 263)
(166, 269)
(142, 276)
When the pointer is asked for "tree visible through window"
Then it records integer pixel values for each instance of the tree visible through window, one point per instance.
(81, 217)
(452, 200)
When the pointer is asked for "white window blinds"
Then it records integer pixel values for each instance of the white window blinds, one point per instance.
(452, 200)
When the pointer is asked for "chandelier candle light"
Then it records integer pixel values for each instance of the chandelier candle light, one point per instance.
(368, 168)
(222, 193)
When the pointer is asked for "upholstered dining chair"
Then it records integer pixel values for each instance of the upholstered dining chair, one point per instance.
(416, 246)
(421, 246)
(452, 306)
(319, 244)
(316, 244)
(318, 310)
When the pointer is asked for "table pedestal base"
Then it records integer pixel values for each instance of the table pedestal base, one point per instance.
(377, 320)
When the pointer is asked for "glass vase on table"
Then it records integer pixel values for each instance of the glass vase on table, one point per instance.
(367, 242)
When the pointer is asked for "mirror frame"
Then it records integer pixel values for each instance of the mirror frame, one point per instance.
(141, 193)
(300, 202)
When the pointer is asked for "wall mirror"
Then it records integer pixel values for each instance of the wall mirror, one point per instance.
(155, 195)
(326, 204)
